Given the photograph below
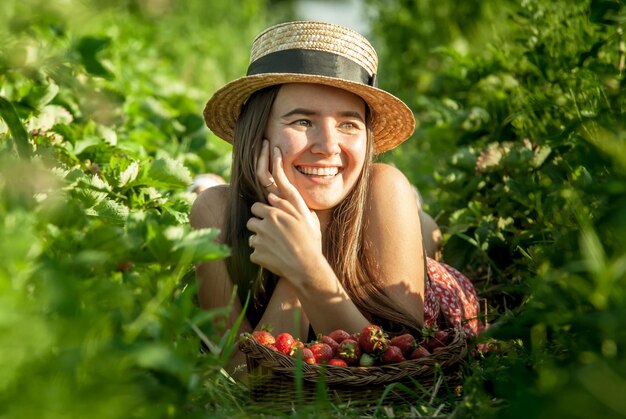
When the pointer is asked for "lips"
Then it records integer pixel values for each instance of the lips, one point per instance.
(318, 171)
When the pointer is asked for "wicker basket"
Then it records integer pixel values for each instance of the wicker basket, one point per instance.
(274, 375)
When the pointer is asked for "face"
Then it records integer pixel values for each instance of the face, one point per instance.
(321, 132)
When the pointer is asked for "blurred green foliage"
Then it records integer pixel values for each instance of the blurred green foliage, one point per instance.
(100, 135)
(521, 112)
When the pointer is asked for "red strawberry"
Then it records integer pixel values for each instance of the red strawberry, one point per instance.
(485, 347)
(307, 356)
(373, 339)
(263, 337)
(443, 336)
(349, 351)
(322, 352)
(272, 346)
(337, 362)
(339, 335)
(405, 342)
(392, 355)
(367, 360)
(284, 342)
(419, 352)
(330, 342)
(297, 346)
(440, 338)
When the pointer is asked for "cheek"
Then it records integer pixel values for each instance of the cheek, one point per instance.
(358, 152)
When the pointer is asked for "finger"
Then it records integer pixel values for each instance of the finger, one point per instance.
(286, 189)
(277, 202)
(260, 210)
(254, 225)
(251, 240)
(263, 174)
(262, 163)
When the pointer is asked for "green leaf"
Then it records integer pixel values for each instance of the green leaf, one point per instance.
(604, 11)
(540, 156)
(160, 357)
(203, 245)
(88, 48)
(129, 174)
(20, 137)
(169, 172)
(41, 94)
(110, 210)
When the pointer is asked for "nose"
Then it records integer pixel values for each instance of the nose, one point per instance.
(326, 140)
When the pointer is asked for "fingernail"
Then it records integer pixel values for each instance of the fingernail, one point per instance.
(276, 151)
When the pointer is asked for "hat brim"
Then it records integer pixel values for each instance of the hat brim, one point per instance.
(392, 121)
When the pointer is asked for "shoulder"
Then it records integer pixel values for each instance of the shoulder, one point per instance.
(388, 182)
(392, 203)
(209, 208)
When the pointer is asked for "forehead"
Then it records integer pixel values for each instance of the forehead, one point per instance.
(307, 95)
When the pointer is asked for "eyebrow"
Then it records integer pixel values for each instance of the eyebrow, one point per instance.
(309, 112)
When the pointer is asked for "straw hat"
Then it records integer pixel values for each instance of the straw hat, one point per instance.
(313, 52)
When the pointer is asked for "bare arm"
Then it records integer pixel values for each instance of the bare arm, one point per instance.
(216, 288)
(394, 233)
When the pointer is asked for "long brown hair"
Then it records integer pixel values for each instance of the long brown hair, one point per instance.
(344, 245)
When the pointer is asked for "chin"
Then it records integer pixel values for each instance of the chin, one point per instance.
(321, 205)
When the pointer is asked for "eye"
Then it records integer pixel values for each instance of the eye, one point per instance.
(302, 123)
(350, 126)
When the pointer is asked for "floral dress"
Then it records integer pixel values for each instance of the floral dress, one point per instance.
(449, 292)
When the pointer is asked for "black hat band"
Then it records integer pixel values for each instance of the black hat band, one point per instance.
(313, 62)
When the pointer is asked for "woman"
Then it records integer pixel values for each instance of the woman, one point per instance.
(314, 226)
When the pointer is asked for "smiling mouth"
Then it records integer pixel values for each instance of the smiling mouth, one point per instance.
(318, 171)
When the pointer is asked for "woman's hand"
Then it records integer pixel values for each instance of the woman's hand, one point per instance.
(263, 172)
(286, 237)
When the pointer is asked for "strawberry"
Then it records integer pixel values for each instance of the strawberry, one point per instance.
(330, 342)
(367, 360)
(125, 266)
(349, 351)
(405, 342)
(485, 347)
(392, 355)
(373, 340)
(272, 346)
(322, 352)
(297, 346)
(337, 362)
(443, 336)
(284, 342)
(339, 335)
(307, 356)
(263, 337)
(438, 339)
(419, 352)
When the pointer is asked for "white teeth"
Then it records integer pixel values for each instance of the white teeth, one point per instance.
(319, 171)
